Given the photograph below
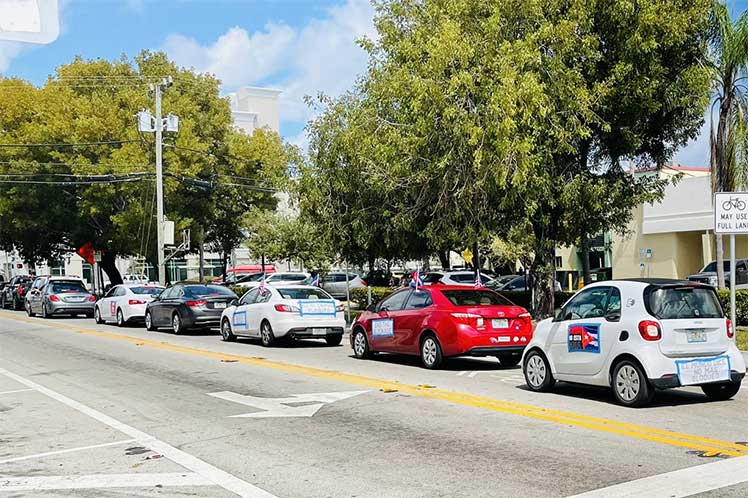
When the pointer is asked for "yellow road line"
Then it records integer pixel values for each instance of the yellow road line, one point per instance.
(568, 418)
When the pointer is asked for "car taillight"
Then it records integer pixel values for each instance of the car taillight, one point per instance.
(195, 304)
(363, 282)
(524, 323)
(91, 298)
(285, 308)
(54, 298)
(730, 330)
(135, 301)
(20, 289)
(650, 330)
(475, 321)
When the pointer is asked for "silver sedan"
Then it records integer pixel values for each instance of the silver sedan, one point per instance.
(63, 297)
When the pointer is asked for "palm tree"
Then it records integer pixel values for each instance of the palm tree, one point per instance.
(729, 60)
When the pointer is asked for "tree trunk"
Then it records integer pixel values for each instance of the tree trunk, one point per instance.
(724, 176)
(371, 263)
(586, 273)
(223, 265)
(444, 259)
(109, 267)
(543, 279)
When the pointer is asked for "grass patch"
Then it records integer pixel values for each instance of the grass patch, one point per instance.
(742, 338)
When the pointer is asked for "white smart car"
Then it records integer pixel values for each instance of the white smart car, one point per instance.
(637, 336)
(124, 303)
(292, 311)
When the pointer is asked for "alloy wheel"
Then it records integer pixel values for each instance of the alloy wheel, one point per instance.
(628, 383)
(359, 344)
(176, 323)
(429, 351)
(536, 371)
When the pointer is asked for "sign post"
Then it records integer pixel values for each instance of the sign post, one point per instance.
(731, 217)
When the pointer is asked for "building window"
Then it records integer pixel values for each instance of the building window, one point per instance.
(57, 268)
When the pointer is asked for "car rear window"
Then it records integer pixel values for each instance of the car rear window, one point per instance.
(477, 297)
(670, 303)
(432, 278)
(151, 291)
(207, 290)
(297, 293)
(66, 287)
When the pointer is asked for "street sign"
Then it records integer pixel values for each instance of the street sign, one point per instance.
(731, 212)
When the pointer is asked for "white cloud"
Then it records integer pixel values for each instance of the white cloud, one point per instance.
(8, 50)
(321, 56)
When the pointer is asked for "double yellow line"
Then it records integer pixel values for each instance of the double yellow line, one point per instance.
(688, 441)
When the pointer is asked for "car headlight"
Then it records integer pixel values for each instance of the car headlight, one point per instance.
(713, 281)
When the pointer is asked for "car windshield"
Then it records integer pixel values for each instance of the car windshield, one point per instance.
(207, 290)
(301, 293)
(67, 287)
(672, 303)
(477, 297)
(712, 267)
(151, 291)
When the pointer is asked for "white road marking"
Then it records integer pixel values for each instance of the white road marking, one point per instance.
(98, 481)
(213, 474)
(460, 374)
(16, 391)
(473, 374)
(69, 450)
(680, 483)
(279, 407)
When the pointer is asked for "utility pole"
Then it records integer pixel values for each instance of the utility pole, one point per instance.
(159, 187)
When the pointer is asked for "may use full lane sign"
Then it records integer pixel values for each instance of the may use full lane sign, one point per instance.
(731, 212)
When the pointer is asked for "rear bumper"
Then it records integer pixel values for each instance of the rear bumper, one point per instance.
(308, 332)
(67, 308)
(671, 381)
(495, 350)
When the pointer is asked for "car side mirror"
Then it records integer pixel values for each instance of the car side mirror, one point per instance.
(613, 316)
(559, 315)
(234, 302)
(372, 308)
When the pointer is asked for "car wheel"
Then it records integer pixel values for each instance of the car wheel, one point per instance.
(226, 333)
(176, 324)
(334, 340)
(431, 352)
(120, 318)
(149, 322)
(721, 392)
(509, 360)
(537, 372)
(266, 334)
(630, 385)
(44, 311)
(360, 345)
(28, 309)
(97, 316)
(16, 305)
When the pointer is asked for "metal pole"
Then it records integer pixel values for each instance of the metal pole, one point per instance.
(733, 278)
(347, 296)
(159, 189)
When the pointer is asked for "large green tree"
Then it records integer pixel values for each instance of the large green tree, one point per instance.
(88, 102)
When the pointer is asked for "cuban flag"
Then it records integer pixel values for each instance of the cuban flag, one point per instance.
(315, 280)
(584, 338)
(262, 284)
(416, 279)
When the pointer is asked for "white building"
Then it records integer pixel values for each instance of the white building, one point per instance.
(253, 108)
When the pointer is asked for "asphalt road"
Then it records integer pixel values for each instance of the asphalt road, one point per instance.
(100, 411)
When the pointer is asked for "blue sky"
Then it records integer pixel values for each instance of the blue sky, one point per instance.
(301, 47)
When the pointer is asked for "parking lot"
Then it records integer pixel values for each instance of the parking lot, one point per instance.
(90, 410)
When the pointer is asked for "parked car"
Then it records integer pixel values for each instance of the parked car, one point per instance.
(637, 336)
(130, 278)
(442, 321)
(182, 307)
(334, 283)
(292, 311)
(519, 284)
(279, 278)
(125, 303)
(233, 274)
(14, 293)
(461, 277)
(708, 274)
(62, 296)
(377, 278)
(34, 294)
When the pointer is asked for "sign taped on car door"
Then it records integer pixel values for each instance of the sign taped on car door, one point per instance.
(383, 327)
(240, 319)
(584, 338)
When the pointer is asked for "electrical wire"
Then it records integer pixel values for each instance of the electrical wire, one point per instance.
(80, 144)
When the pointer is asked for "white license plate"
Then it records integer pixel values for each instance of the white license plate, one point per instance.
(700, 371)
(219, 306)
(500, 323)
(319, 331)
(696, 335)
(75, 299)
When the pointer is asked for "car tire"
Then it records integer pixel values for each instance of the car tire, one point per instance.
(266, 334)
(431, 352)
(334, 340)
(149, 322)
(176, 324)
(44, 311)
(537, 372)
(97, 316)
(121, 322)
(630, 385)
(28, 310)
(16, 305)
(226, 334)
(360, 345)
(509, 360)
(722, 391)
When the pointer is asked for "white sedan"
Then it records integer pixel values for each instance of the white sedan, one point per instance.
(637, 336)
(124, 303)
(295, 312)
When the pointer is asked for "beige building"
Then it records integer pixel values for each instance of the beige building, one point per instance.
(669, 239)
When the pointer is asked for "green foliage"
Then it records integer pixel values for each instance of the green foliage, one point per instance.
(741, 305)
(360, 295)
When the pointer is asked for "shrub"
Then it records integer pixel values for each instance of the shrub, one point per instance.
(741, 304)
(360, 295)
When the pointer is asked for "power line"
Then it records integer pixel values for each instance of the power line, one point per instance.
(74, 182)
(79, 144)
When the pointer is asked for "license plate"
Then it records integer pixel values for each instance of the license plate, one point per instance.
(500, 323)
(75, 299)
(700, 371)
(319, 331)
(698, 335)
(219, 306)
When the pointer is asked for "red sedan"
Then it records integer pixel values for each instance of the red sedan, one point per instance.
(436, 322)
